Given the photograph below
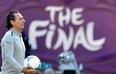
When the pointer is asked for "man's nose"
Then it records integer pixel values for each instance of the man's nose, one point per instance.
(24, 21)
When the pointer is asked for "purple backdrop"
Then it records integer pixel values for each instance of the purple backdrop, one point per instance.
(86, 27)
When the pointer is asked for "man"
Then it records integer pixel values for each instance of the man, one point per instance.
(13, 49)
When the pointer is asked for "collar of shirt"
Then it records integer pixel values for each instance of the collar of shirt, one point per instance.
(18, 33)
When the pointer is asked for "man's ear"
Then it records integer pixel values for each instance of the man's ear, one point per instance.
(12, 22)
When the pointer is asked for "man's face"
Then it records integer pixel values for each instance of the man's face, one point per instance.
(18, 24)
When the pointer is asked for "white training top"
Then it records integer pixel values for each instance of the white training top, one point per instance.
(13, 53)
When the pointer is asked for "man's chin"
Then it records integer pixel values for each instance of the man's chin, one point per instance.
(22, 28)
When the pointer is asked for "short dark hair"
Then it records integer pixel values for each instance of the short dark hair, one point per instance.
(10, 17)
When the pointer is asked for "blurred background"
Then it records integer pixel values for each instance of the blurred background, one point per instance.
(84, 27)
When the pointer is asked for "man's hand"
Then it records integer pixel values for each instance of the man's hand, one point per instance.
(28, 70)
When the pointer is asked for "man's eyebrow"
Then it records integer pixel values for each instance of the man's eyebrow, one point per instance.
(21, 18)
